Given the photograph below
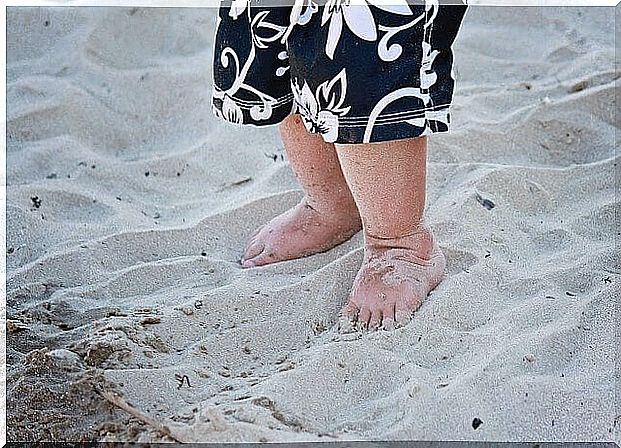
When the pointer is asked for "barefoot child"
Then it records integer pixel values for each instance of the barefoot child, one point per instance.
(355, 86)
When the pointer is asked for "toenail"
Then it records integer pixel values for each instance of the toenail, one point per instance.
(248, 264)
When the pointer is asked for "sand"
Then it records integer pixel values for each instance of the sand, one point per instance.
(128, 206)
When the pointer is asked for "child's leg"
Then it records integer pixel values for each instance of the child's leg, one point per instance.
(402, 261)
(325, 217)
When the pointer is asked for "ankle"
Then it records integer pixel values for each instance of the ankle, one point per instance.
(418, 237)
(337, 208)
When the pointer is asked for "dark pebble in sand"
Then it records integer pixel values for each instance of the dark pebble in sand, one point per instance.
(36, 202)
(151, 320)
(487, 203)
(10, 250)
(579, 86)
(476, 422)
(204, 254)
(147, 174)
(51, 176)
(46, 23)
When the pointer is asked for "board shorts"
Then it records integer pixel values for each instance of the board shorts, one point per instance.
(360, 71)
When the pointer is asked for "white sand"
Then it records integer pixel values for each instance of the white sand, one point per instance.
(520, 334)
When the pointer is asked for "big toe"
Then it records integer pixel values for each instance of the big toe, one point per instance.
(256, 232)
(403, 316)
(350, 311)
(252, 251)
(263, 258)
(345, 325)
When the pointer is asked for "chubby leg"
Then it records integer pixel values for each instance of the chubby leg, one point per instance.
(325, 217)
(402, 261)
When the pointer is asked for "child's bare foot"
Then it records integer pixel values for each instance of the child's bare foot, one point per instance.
(326, 216)
(402, 262)
(395, 277)
(301, 231)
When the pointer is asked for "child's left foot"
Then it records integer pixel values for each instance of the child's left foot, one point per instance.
(395, 277)
(301, 231)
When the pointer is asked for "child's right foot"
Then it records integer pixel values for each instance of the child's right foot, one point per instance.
(299, 232)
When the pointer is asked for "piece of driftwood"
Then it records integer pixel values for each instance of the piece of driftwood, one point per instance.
(121, 403)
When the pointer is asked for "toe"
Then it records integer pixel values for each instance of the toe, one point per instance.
(363, 318)
(376, 319)
(388, 319)
(350, 311)
(403, 315)
(263, 258)
(345, 325)
(256, 232)
(252, 241)
(388, 324)
(251, 253)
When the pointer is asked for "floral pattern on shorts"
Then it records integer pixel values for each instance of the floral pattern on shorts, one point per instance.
(356, 72)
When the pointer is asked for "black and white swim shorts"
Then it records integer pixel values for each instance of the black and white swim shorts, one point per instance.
(357, 71)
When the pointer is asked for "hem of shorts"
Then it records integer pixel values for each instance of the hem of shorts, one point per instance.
(358, 130)
(401, 119)
(247, 104)
(422, 132)
(395, 118)
(273, 120)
